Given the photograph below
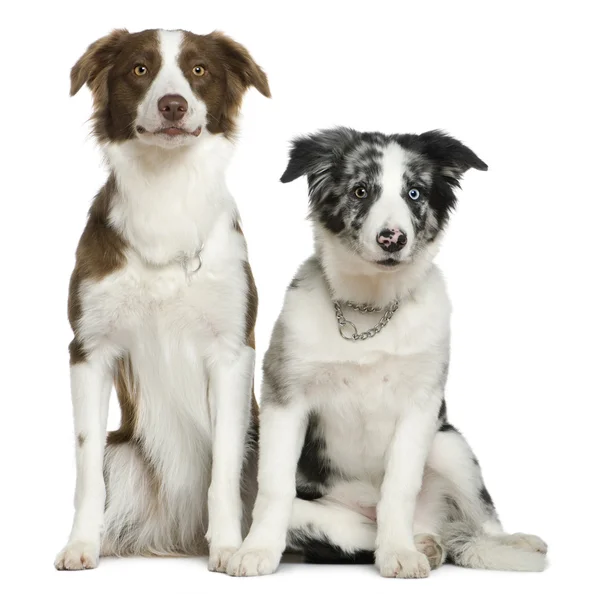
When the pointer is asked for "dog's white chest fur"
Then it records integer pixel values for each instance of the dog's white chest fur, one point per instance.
(171, 322)
(362, 389)
(358, 408)
(172, 300)
(170, 319)
(172, 201)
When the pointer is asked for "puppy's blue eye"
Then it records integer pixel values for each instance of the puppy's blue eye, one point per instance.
(414, 194)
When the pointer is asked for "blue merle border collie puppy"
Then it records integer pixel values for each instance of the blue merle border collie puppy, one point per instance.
(357, 459)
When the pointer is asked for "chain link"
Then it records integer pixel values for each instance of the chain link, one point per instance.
(362, 308)
(355, 335)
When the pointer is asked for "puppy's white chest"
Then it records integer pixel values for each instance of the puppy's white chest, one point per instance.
(359, 407)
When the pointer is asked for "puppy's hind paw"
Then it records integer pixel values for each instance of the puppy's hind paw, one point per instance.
(526, 542)
(431, 546)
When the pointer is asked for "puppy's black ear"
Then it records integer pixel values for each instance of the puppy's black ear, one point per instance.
(304, 154)
(317, 153)
(451, 155)
(93, 66)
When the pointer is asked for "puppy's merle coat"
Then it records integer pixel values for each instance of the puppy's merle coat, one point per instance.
(357, 458)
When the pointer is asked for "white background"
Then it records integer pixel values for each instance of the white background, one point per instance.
(514, 81)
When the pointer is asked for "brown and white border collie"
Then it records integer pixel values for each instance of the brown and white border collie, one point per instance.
(162, 304)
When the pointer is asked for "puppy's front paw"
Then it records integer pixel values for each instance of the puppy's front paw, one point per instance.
(78, 555)
(219, 557)
(249, 562)
(401, 563)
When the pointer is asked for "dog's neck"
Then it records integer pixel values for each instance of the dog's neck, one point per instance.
(167, 201)
(351, 279)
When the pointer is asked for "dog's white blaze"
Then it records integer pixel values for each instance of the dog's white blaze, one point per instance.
(390, 211)
(170, 81)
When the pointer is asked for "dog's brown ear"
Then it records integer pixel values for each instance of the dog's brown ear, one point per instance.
(93, 66)
(241, 64)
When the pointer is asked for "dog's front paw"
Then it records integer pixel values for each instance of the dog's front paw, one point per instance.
(401, 563)
(219, 557)
(78, 555)
(249, 562)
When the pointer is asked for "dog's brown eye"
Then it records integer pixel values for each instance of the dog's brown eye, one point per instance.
(199, 70)
(360, 192)
(140, 70)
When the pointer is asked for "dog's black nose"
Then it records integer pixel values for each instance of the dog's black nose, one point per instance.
(391, 240)
(172, 107)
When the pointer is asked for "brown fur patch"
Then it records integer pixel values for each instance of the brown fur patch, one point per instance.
(77, 353)
(100, 252)
(251, 314)
(107, 68)
(125, 387)
(230, 71)
(251, 305)
(251, 295)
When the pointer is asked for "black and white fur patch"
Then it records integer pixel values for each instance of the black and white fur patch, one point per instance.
(362, 183)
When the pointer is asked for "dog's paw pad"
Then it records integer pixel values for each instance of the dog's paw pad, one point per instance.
(78, 555)
(431, 546)
(218, 558)
(253, 562)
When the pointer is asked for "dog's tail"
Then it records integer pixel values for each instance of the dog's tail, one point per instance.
(471, 532)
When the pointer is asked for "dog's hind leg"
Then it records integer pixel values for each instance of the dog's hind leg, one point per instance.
(142, 515)
(326, 532)
(140, 519)
(471, 531)
(337, 529)
(131, 503)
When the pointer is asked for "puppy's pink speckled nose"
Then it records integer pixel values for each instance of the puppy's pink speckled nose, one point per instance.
(391, 240)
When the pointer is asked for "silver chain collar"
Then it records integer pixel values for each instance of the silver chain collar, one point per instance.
(355, 335)
(191, 264)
